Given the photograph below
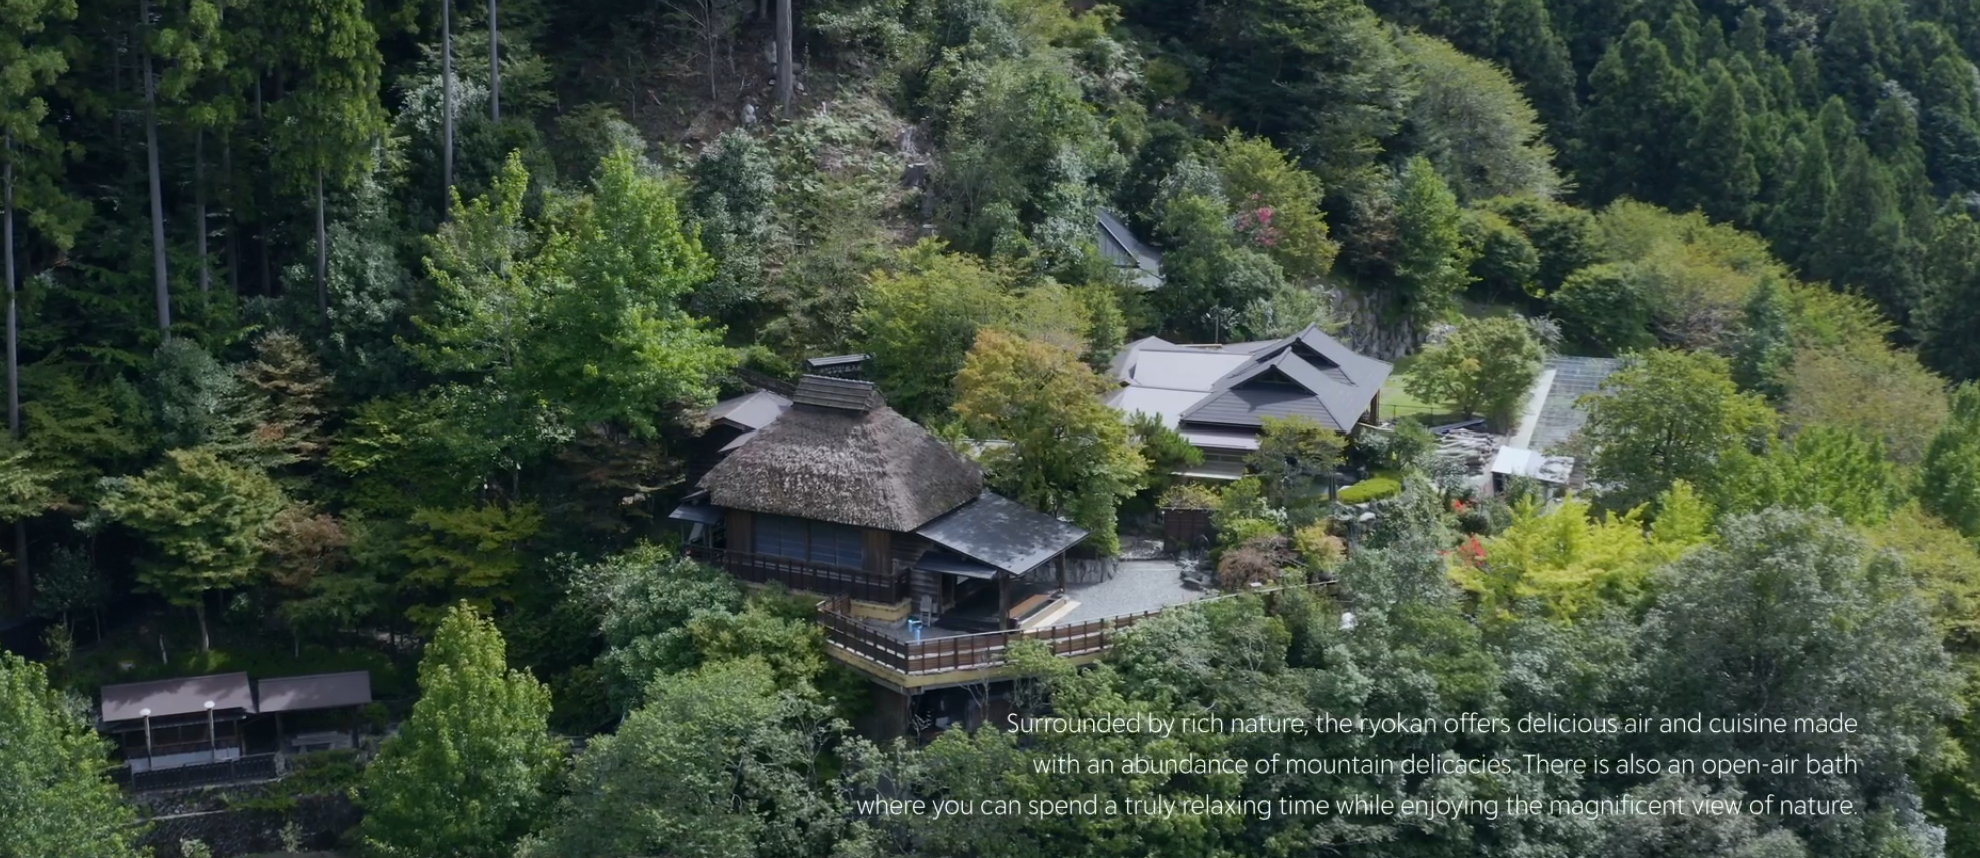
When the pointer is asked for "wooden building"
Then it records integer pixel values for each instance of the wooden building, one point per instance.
(840, 495)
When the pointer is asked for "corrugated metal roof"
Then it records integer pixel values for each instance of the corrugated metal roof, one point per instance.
(318, 691)
(166, 697)
(1002, 533)
(844, 394)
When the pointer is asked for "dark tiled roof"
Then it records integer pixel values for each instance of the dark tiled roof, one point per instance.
(1002, 533)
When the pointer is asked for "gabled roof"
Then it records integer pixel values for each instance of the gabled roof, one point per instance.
(1002, 533)
(1309, 373)
(1119, 244)
(840, 455)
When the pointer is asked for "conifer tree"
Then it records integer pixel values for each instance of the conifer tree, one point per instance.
(1721, 174)
(1433, 261)
(1637, 96)
(1864, 242)
(1535, 54)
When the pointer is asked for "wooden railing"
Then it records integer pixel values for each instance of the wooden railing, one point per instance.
(986, 651)
(802, 575)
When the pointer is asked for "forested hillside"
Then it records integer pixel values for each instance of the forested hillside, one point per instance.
(326, 317)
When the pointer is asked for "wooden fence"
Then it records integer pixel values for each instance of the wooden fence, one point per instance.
(985, 651)
(809, 577)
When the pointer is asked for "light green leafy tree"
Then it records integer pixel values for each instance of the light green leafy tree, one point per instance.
(470, 554)
(614, 342)
(467, 774)
(56, 799)
(1069, 454)
(1669, 416)
(919, 320)
(1484, 366)
(207, 522)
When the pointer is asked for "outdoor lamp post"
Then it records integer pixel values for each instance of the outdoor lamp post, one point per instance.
(212, 744)
(146, 715)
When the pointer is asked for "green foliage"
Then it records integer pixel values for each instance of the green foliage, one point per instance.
(1765, 354)
(56, 798)
(1069, 454)
(1791, 613)
(1296, 459)
(578, 315)
(719, 762)
(1945, 566)
(1605, 308)
(1371, 489)
(644, 598)
(470, 555)
(1189, 495)
(1668, 416)
(1432, 260)
(734, 196)
(467, 773)
(205, 520)
(1834, 469)
(1872, 389)
(1485, 366)
(1278, 205)
(919, 321)
(1949, 481)
(1473, 123)
(1166, 451)
(1568, 561)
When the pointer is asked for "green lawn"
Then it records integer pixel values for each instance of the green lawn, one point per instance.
(1396, 402)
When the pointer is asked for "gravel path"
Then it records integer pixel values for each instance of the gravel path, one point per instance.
(1137, 585)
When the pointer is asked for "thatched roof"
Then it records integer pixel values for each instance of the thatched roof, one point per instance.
(858, 463)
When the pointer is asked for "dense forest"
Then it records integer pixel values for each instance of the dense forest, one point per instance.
(349, 334)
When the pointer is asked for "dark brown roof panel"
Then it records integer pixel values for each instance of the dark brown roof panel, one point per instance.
(320, 691)
(186, 695)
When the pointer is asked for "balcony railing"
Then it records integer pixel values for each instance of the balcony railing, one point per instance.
(986, 651)
(802, 575)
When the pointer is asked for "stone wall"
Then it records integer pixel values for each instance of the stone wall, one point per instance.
(1369, 326)
(230, 820)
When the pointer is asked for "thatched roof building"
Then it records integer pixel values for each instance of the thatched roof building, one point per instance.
(839, 454)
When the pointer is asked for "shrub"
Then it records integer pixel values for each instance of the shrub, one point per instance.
(1319, 550)
(1189, 496)
(1373, 489)
(1245, 530)
(1258, 560)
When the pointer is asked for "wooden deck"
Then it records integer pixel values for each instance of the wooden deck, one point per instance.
(908, 665)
